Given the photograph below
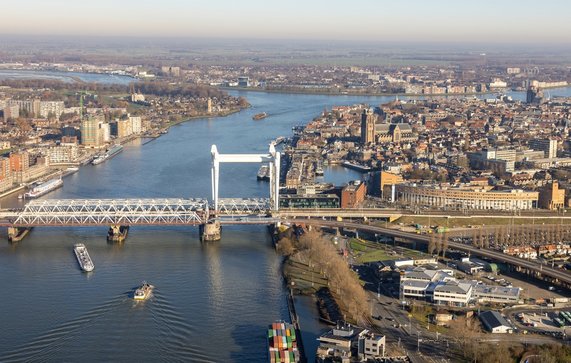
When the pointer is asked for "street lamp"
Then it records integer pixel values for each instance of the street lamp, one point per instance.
(379, 290)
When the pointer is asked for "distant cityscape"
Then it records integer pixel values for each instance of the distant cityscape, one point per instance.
(455, 227)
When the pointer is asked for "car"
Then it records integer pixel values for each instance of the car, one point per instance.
(378, 317)
(390, 319)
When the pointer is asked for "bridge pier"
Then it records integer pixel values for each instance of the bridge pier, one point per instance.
(210, 231)
(117, 233)
(16, 234)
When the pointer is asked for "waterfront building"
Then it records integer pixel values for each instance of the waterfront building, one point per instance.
(465, 197)
(19, 161)
(91, 133)
(136, 124)
(367, 127)
(548, 146)
(346, 342)
(353, 194)
(63, 154)
(243, 82)
(309, 201)
(5, 170)
(551, 197)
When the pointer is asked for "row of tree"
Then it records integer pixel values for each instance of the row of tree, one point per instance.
(318, 252)
(438, 243)
(521, 235)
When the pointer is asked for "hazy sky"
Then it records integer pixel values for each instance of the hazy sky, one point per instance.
(396, 20)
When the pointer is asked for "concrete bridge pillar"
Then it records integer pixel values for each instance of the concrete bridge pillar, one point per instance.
(16, 234)
(117, 233)
(211, 231)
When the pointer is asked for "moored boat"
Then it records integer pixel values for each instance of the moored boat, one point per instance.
(143, 292)
(264, 173)
(114, 150)
(44, 188)
(83, 257)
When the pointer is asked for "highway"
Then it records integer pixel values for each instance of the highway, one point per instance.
(562, 276)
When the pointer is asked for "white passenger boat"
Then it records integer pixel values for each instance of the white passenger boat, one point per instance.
(44, 188)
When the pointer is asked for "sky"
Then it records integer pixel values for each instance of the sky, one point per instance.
(495, 21)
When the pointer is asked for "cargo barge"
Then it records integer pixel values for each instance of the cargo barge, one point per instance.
(83, 257)
(282, 343)
(260, 116)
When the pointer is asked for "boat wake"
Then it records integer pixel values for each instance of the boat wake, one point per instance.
(41, 347)
(176, 334)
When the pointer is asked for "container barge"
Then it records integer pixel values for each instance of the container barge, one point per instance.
(282, 343)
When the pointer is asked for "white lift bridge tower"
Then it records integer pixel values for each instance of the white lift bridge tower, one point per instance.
(272, 158)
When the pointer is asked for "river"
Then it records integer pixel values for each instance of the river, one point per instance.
(212, 301)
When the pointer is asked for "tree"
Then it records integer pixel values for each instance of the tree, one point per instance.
(431, 244)
(444, 244)
(285, 246)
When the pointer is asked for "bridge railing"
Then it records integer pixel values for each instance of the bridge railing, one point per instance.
(238, 206)
(111, 212)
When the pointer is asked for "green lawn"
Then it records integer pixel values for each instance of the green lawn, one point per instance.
(372, 256)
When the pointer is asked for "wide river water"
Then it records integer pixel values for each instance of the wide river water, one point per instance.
(212, 301)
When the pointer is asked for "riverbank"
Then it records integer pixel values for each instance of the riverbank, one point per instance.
(354, 94)
(313, 266)
(219, 114)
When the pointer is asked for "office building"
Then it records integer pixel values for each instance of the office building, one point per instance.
(464, 197)
(548, 146)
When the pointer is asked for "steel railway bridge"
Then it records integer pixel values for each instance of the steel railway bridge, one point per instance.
(156, 211)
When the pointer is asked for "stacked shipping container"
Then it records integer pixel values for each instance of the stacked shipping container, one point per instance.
(282, 343)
